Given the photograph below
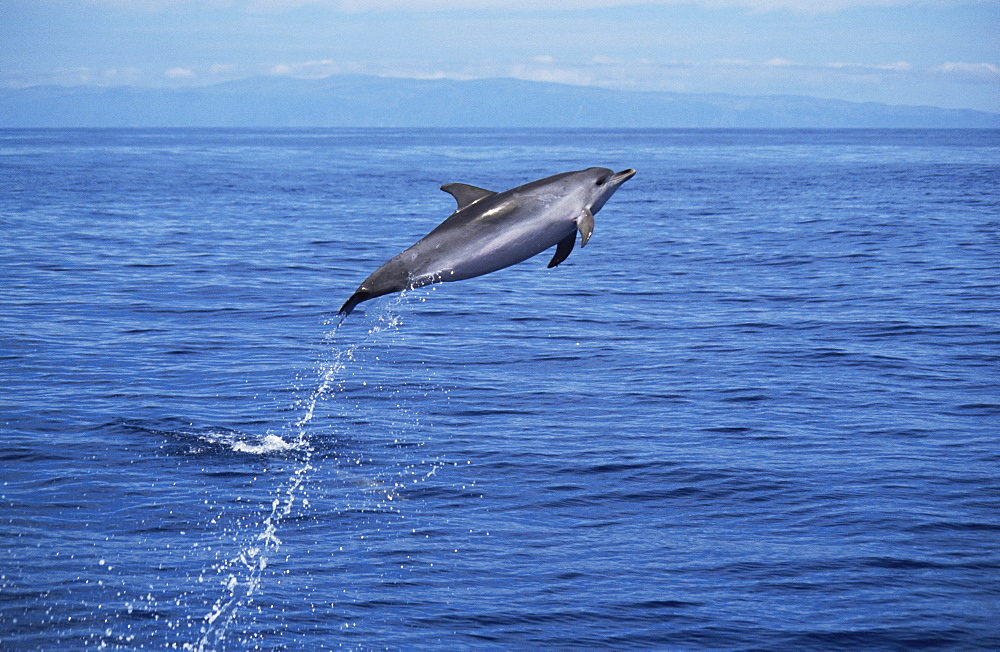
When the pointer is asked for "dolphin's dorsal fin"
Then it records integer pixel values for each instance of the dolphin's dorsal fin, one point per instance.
(465, 194)
(586, 225)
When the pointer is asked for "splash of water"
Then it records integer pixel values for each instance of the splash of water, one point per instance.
(243, 571)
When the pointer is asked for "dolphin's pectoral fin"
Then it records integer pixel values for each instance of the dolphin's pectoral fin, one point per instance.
(586, 225)
(563, 249)
(465, 194)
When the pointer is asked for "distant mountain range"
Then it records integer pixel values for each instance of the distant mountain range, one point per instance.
(367, 101)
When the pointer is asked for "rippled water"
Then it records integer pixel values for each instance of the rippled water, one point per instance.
(759, 411)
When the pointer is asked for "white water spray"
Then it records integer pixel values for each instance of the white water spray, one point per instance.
(242, 572)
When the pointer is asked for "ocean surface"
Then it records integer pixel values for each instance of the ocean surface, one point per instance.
(759, 411)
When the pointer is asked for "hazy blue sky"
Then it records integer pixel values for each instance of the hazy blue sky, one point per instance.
(938, 52)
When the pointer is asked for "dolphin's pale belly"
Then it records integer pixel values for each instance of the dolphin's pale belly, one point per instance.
(498, 250)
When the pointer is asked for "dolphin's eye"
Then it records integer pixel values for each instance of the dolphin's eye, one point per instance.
(599, 182)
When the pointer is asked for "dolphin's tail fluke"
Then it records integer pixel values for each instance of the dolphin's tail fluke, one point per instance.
(352, 303)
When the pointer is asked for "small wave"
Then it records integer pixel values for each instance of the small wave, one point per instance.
(243, 442)
(200, 440)
(266, 444)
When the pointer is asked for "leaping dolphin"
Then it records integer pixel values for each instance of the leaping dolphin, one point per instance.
(492, 230)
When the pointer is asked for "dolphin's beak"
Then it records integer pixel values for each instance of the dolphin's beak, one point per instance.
(623, 176)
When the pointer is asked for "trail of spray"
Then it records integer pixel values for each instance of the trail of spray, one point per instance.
(243, 572)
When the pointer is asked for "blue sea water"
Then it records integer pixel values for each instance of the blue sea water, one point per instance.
(759, 411)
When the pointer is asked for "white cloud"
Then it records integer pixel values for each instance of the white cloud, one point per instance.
(93, 76)
(307, 69)
(971, 71)
(601, 60)
(896, 66)
(574, 76)
(179, 73)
